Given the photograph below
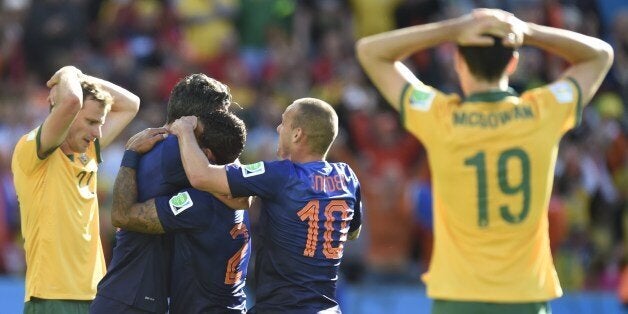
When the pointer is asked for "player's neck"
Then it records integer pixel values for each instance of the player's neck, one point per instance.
(304, 157)
(474, 86)
(65, 148)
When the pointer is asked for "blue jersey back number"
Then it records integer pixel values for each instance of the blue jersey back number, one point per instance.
(234, 273)
(310, 212)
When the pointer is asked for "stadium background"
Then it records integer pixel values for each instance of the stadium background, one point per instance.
(271, 52)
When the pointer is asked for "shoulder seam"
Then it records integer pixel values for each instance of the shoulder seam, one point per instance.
(402, 111)
(579, 103)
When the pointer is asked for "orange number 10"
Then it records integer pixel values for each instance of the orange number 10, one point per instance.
(310, 212)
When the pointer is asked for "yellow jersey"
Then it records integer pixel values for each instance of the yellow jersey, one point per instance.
(492, 159)
(60, 225)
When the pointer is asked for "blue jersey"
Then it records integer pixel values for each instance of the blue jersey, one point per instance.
(139, 270)
(307, 211)
(212, 252)
(160, 171)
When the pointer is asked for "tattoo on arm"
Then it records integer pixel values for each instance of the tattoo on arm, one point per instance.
(126, 213)
(143, 218)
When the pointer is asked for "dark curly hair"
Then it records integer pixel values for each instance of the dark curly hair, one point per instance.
(224, 134)
(195, 95)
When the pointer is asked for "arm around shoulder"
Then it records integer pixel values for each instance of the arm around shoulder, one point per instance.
(126, 213)
(210, 178)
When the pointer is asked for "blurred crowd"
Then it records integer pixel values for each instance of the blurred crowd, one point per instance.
(271, 52)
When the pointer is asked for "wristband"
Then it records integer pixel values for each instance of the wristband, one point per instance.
(131, 159)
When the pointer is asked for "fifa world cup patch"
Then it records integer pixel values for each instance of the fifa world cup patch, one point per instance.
(421, 99)
(255, 169)
(180, 202)
(562, 91)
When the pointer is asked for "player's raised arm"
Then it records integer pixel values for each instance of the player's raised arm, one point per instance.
(590, 58)
(124, 108)
(381, 55)
(66, 100)
(202, 175)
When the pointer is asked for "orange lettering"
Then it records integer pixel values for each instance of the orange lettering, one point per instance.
(340, 182)
(329, 184)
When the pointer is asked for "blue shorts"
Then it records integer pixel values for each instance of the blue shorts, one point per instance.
(104, 305)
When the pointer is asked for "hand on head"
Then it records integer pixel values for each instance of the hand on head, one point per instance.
(183, 124)
(52, 95)
(54, 80)
(144, 141)
(493, 22)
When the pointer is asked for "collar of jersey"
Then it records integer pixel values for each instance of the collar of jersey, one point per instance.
(490, 96)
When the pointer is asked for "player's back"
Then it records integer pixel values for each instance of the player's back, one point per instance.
(209, 265)
(138, 273)
(307, 210)
(492, 161)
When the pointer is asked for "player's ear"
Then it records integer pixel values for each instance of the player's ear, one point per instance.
(297, 135)
(209, 154)
(511, 67)
(458, 61)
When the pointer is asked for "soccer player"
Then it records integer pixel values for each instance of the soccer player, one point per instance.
(492, 153)
(137, 278)
(55, 171)
(211, 240)
(310, 207)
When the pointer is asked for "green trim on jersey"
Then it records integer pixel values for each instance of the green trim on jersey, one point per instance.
(468, 307)
(401, 103)
(579, 104)
(38, 145)
(98, 157)
(490, 96)
(38, 142)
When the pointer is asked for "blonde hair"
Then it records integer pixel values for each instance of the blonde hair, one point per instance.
(319, 122)
(96, 92)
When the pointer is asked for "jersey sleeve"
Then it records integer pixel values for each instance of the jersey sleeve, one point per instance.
(26, 151)
(171, 164)
(560, 102)
(356, 221)
(422, 107)
(189, 209)
(263, 179)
